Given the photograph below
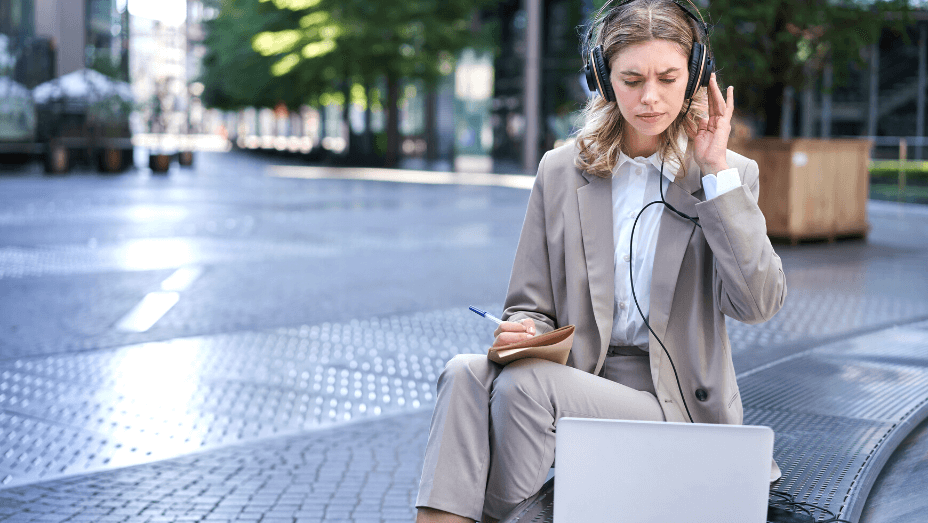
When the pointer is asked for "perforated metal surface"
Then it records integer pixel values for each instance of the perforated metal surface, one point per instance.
(832, 386)
(905, 346)
(538, 508)
(820, 456)
(76, 413)
(815, 313)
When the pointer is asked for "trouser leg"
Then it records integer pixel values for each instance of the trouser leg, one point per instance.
(454, 475)
(527, 399)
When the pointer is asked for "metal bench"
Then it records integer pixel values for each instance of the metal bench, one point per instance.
(838, 411)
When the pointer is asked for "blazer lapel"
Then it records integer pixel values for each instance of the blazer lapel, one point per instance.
(673, 236)
(595, 204)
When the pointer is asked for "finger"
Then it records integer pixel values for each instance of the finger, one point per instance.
(529, 325)
(717, 103)
(729, 102)
(703, 124)
(711, 95)
(506, 338)
(512, 326)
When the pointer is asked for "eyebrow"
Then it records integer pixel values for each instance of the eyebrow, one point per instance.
(636, 73)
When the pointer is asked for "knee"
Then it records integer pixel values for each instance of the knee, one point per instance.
(463, 367)
(518, 381)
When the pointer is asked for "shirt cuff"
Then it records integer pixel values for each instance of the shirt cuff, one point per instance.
(717, 184)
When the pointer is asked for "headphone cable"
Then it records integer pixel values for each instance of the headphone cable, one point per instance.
(631, 258)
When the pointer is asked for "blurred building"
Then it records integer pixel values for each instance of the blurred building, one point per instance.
(883, 97)
(166, 54)
(51, 38)
(41, 40)
(539, 51)
(158, 69)
(106, 47)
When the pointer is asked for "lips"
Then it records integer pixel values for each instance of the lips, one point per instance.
(650, 116)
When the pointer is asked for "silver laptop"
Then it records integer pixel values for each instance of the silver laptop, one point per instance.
(643, 472)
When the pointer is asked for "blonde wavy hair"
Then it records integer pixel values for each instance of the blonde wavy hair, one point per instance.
(600, 139)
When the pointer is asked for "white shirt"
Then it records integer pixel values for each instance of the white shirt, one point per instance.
(634, 185)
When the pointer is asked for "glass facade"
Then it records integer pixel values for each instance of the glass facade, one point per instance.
(29, 55)
(107, 41)
(17, 113)
(17, 21)
(562, 91)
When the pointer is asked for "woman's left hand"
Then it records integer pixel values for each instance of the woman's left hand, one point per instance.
(711, 140)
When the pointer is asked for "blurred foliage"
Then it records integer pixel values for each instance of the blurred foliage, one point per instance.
(762, 47)
(919, 176)
(233, 74)
(262, 52)
(895, 165)
(103, 64)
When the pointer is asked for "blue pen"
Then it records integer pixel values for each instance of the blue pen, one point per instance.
(486, 315)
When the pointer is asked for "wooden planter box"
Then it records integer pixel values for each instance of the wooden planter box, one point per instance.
(812, 188)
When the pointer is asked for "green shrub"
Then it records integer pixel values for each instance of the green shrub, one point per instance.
(887, 171)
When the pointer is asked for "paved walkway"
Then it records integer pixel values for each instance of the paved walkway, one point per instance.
(326, 421)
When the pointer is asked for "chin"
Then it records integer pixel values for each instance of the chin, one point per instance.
(654, 129)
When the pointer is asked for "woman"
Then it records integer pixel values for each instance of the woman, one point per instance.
(491, 441)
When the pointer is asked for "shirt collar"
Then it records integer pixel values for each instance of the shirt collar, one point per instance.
(671, 165)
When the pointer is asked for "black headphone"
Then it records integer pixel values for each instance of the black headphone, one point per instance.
(701, 64)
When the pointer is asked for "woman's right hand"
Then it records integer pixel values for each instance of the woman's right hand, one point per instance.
(513, 331)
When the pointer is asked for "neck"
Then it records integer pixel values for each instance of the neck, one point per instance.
(637, 144)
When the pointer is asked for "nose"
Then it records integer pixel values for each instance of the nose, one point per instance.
(649, 93)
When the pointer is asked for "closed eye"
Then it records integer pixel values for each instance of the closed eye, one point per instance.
(633, 83)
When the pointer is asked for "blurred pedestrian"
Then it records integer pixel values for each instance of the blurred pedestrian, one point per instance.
(644, 233)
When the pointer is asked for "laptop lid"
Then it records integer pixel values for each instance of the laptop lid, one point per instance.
(657, 472)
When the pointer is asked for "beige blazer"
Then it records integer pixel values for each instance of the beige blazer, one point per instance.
(564, 274)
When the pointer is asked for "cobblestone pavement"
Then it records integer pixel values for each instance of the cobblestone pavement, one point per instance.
(307, 320)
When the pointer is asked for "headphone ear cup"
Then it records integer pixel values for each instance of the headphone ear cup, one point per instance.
(697, 75)
(710, 68)
(601, 72)
(590, 77)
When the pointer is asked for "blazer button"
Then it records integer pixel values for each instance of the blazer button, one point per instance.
(702, 395)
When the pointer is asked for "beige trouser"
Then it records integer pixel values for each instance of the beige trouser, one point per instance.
(491, 442)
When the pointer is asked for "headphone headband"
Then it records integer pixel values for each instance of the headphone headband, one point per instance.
(599, 18)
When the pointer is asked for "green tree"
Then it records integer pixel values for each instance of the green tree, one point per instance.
(295, 51)
(233, 74)
(763, 47)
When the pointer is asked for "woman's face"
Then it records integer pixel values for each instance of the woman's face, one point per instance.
(649, 80)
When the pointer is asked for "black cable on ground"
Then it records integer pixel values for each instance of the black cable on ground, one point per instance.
(783, 508)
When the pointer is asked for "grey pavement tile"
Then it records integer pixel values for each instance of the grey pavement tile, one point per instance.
(354, 442)
(303, 378)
